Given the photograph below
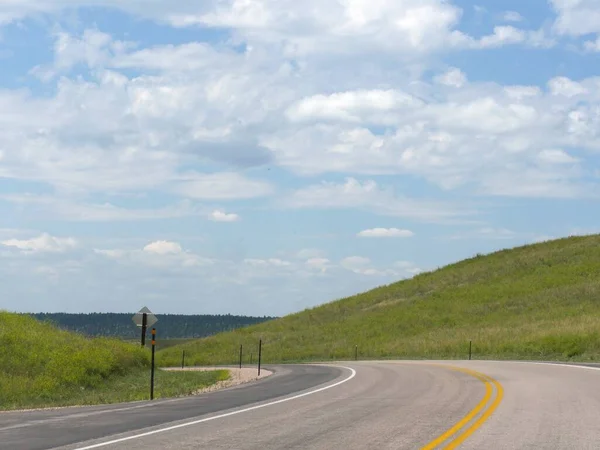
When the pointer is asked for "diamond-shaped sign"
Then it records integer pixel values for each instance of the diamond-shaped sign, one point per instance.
(139, 317)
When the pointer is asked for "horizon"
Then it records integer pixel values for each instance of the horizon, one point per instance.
(260, 158)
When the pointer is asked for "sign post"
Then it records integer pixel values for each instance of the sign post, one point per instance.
(144, 318)
(152, 368)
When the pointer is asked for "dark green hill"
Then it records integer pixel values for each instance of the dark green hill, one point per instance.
(169, 326)
(539, 301)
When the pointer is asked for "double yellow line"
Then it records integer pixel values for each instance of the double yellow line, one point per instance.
(470, 423)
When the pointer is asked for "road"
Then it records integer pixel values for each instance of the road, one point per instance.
(357, 405)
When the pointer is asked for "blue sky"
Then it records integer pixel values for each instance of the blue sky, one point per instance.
(262, 157)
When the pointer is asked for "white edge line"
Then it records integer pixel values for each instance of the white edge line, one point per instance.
(220, 416)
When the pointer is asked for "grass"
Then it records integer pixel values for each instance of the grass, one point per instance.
(43, 366)
(539, 302)
(162, 343)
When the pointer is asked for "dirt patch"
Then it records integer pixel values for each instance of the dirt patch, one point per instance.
(238, 376)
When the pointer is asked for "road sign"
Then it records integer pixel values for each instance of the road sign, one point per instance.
(138, 317)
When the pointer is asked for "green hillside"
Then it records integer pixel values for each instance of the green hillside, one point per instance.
(44, 366)
(539, 301)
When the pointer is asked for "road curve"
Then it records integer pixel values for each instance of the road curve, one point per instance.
(364, 405)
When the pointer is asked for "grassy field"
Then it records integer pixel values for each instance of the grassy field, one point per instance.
(43, 366)
(535, 302)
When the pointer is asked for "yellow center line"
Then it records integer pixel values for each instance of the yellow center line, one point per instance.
(473, 413)
(485, 416)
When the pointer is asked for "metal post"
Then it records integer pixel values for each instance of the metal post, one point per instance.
(152, 369)
(356, 353)
(259, 355)
(240, 356)
(183, 359)
(470, 347)
(251, 355)
(144, 326)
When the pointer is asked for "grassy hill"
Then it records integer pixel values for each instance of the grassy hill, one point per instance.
(539, 301)
(44, 366)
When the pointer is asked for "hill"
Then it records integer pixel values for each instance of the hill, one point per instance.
(43, 366)
(169, 326)
(539, 301)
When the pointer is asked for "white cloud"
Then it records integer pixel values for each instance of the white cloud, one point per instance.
(512, 16)
(566, 87)
(221, 216)
(556, 156)
(163, 248)
(522, 92)
(223, 186)
(320, 264)
(576, 17)
(42, 243)
(453, 77)
(357, 264)
(266, 262)
(592, 46)
(550, 182)
(369, 196)
(159, 255)
(93, 48)
(386, 232)
(350, 106)
(502, 35)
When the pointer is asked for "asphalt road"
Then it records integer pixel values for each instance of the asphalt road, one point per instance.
(365, 405)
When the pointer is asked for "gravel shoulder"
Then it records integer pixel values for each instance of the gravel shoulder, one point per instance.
(237, 376)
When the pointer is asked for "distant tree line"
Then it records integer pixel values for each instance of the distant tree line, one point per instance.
(170, 326)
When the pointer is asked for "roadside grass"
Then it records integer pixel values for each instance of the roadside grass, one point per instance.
(41, 365)
(162, 343)
(131, 387)
(538, 302)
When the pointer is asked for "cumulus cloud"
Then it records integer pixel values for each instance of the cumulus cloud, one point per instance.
(163, 248)
(453, 77)
(43, 243)
(351, 106)
(221, 216)
(576, 17)
(386, 232)
(320, 264)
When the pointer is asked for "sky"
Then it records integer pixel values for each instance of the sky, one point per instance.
(261, 157)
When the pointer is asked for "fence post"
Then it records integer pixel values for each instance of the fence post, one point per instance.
(470, 348)
(259, 355)
(241, 355)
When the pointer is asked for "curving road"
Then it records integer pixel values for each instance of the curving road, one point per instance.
(365, 405)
